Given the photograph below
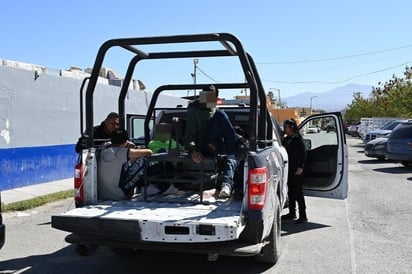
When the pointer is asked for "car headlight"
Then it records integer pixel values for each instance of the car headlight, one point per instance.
(380, 146)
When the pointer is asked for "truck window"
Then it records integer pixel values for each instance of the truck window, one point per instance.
(319, 132)
(136, 128)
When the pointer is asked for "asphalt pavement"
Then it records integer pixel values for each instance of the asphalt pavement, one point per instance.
(33, 191)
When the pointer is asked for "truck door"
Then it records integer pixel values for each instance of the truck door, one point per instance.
(326, 166)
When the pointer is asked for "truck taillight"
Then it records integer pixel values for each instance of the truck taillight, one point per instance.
(78, 183)
(257, 187)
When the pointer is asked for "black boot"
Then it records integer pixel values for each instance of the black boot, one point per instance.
(302, 217)
(290, 216)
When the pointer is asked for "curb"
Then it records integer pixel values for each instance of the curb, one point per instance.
(34, 191)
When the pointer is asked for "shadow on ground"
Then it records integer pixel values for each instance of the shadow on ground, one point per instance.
(289, 227)
(103, 260)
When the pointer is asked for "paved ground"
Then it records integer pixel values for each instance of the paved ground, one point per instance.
(29, 192)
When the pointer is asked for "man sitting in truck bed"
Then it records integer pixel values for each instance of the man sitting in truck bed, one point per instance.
(209, 132)
(112, 157)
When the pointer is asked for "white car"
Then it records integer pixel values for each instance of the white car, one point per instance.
(312, 129)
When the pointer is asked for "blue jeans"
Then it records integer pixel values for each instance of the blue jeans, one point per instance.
(228, 170)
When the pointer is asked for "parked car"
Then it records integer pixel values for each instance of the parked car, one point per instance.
(330, 127)
(312, 129)
(346, 128)
(377, 148)
(2, 228)
(369, 136)
(353, 129)
(399, 147)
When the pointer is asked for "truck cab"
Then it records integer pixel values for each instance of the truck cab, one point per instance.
(194, 219)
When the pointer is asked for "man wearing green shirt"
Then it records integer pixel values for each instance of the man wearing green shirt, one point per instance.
(209, 133)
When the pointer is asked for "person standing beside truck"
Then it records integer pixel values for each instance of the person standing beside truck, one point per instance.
(102, 132)
(209, 133)
(295, 147)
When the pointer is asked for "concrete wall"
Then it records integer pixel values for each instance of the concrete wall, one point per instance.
(40, 120)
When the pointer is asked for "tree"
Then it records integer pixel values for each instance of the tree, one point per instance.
(390, 99)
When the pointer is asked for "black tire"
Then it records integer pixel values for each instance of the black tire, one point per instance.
(406, 163)
(381, 158)
(271, 252)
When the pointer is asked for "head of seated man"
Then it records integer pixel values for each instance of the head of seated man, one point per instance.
(209, 96)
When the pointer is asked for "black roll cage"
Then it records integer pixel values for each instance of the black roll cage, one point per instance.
(260, 125)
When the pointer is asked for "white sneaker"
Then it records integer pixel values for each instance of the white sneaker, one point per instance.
(225, 191)
(151, 190)
(171, 190)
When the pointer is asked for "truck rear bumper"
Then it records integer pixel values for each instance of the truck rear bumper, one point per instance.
(176, 231)
(229, 248)
(155, 222)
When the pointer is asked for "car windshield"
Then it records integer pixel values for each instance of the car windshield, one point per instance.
(390, 125)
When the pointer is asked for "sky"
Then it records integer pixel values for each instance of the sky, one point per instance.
(298, 46)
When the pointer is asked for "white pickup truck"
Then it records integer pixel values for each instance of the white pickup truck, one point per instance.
(194, 220)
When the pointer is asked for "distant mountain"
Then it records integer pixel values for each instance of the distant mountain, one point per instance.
(334, 100)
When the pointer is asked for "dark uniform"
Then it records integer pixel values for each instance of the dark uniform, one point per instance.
(296, 150)
(98, 133)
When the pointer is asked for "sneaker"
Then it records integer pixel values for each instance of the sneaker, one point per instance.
(301, 220)
(151, 190)
(171, 190)
(225, 191)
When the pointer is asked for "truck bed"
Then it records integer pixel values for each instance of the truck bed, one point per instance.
(177, 218)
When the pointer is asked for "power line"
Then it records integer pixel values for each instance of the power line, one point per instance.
(333, 58)
(328, 59)
(341, 81)
(207, 75)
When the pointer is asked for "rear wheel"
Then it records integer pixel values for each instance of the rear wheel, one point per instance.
(271, 252)
(82, 250)
(406, 163)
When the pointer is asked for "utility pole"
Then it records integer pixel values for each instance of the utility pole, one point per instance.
(311, 103)
(278, 101)
(195, 62)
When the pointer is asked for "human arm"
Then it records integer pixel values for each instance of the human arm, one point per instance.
(130, 145)
(190, 140)
(135, 153)
(221, 136)
(229, 134)
(81, 144)
(300, 154)
(193, 130)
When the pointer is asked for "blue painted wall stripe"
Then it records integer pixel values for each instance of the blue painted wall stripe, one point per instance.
(33, 165)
